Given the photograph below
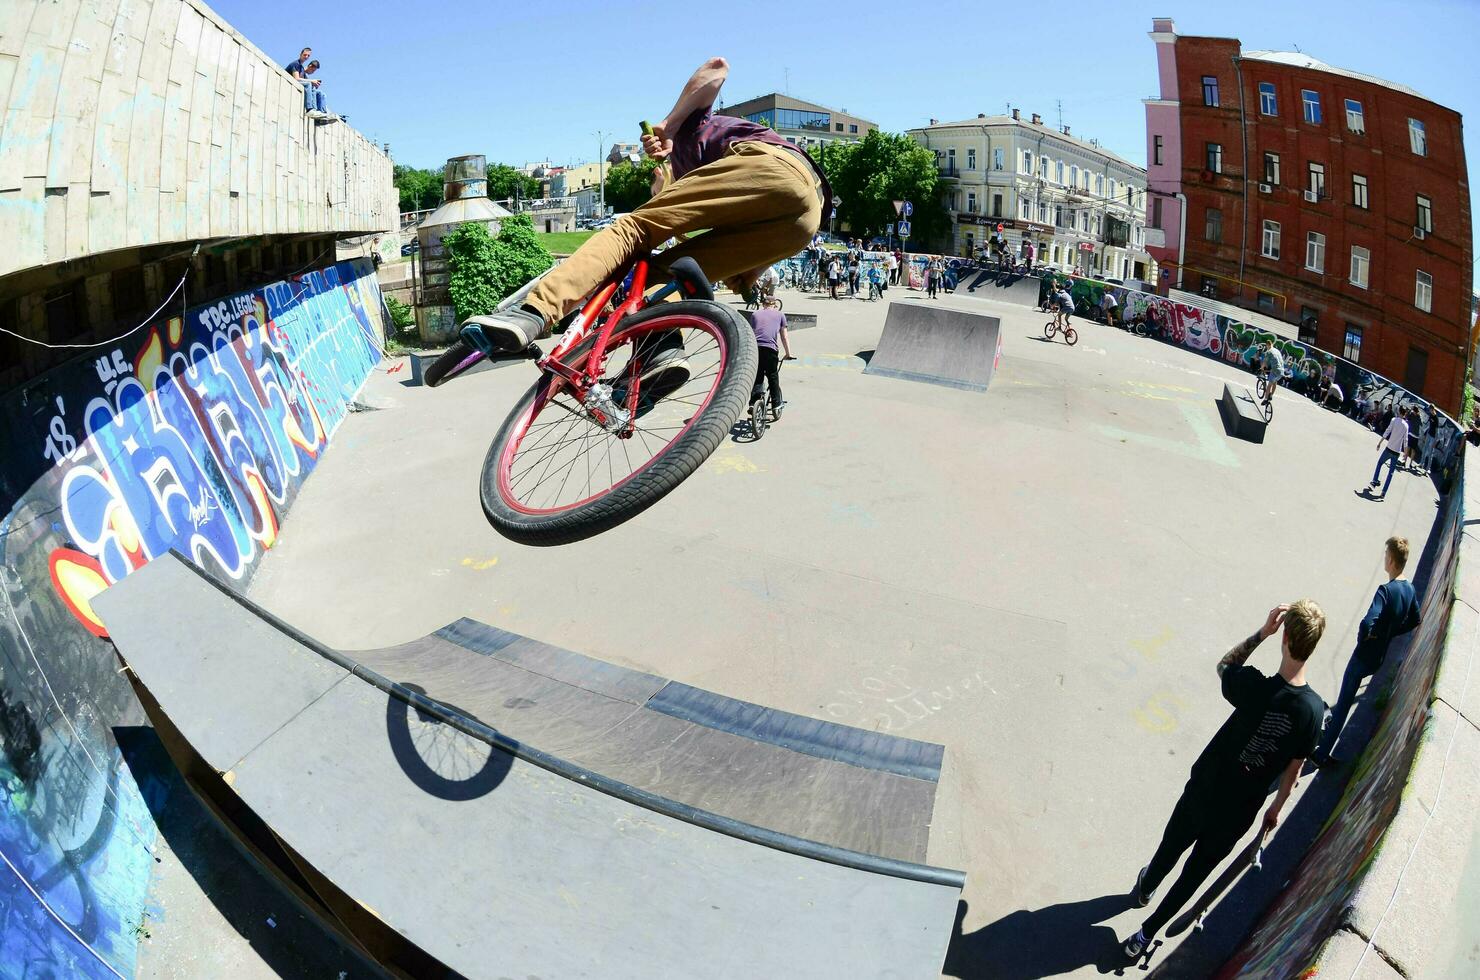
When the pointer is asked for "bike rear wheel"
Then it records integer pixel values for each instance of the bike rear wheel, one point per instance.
(1071, 336)
(457, 359)
(555, 474)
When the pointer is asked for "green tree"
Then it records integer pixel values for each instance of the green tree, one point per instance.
(872, 174)
(419, 189)
(504, 180)
(482, 269)
(629, 185)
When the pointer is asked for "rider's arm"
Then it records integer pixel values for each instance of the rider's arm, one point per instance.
(785, 340)
(699, 92)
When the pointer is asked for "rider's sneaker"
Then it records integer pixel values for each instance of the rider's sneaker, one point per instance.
(505, 332)
(1135, 945)
(662, 369)
(1140, 896)
(776, 411)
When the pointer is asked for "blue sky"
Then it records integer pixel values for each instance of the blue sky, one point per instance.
(526, 81)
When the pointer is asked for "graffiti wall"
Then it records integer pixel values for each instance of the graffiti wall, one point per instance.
(1287, 941)
(195, 434)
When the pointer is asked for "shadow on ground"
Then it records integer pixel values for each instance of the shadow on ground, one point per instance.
(1042, 943)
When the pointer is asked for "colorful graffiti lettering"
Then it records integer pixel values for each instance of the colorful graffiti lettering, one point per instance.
(195, 434)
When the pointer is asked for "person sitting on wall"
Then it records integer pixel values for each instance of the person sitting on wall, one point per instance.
(313, 98)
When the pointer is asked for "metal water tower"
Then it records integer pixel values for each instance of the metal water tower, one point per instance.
(464, 199)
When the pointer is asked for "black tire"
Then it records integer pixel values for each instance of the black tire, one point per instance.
(1071, 336)
(662, 473)
(457, 359)
(759, 417)
(1049, 329)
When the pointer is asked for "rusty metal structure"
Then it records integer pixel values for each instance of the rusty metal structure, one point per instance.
(464, 199)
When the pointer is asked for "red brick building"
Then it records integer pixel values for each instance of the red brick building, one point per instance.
(1326, 198)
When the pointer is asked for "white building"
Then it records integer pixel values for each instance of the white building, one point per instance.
(1078, 203)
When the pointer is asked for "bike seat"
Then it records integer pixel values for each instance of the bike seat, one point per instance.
(691, 279)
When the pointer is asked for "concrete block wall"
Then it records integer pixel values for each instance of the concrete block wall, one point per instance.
(131, 123)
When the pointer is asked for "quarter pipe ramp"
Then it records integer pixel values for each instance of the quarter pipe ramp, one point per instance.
(427, 821)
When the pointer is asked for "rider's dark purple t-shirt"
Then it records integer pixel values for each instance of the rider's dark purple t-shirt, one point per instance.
(767, 324)
(704, 138)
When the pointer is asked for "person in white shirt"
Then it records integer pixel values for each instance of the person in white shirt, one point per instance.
(1394, 440)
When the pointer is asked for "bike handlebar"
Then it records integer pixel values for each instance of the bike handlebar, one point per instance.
(647, 127)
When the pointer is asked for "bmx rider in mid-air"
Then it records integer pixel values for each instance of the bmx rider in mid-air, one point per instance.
(761, 199)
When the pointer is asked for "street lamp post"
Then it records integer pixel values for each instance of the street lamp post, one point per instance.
(601, 171)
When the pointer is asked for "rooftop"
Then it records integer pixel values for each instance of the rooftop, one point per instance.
(1298, 60)
(1085, 145)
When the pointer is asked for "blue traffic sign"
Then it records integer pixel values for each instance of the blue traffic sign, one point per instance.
(909, 209)
(904, 227)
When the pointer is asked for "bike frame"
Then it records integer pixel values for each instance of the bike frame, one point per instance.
(590, 319)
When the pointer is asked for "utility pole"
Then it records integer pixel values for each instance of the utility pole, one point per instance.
(601, 170)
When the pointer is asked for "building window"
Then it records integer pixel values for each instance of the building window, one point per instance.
(1027, 161)
(793, 119)
(1359, 191)
(1272, 169)
(971, 158)
(996, 205)
(1112, 188)
(1351, 347)
(1059, 172)
(1156, 149)
(1084, 221)
(999, 158)
(1361, 259)
(1058, 215)
(1024, 209)
(839, 127)
(1042, 213)
(1417, 141)
(1209, 287)
(1425, 214)
(1315, 252)
(1214, 229)
(951, 160)
(1316, 179)
(1043, 167)
(1423, 291)
(1215, 157)
(1265, 301)
(1074, 177)
(1100, 184)
(1156, 212)
(852, 127)
(1210, 89)
(1355, 120)
(1311, 101)
(1269, 245)
(1268, 104)
(971, 202)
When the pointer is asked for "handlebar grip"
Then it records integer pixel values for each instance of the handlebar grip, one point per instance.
(647, 128)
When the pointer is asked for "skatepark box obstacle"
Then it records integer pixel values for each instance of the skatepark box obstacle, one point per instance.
(938, 346)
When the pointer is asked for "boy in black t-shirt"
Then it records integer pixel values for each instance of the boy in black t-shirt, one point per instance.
(1275, 724)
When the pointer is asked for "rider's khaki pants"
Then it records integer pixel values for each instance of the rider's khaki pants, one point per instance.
(761, 203)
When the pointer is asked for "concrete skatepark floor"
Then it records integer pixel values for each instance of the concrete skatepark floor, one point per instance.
(1040, 577)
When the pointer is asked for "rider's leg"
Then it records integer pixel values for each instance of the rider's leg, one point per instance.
(752, 184)
(770, 366)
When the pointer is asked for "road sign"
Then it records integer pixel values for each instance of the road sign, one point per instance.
(897, 206)
(904, 229)
(889, 228)
(909, 209)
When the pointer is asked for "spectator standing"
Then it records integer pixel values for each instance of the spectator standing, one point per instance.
(891, 266)
(855, 268)
(898, 265)
(1275, 723)
(1393, 612)
(834, 270)
(1394, 441)
(1110, 305)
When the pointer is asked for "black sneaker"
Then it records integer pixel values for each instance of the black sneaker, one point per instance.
(661, 367)
(505, 332)
(1139, 896)
(1135, 946)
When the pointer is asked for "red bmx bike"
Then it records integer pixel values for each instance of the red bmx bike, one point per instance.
(600, 437)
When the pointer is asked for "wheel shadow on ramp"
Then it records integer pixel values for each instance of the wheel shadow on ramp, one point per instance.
(508, 857)
(955, 348)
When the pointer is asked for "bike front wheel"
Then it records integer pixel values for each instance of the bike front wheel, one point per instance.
(556, 473)
(1049, 329)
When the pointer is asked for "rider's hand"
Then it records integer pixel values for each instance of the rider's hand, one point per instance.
(657, 145)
